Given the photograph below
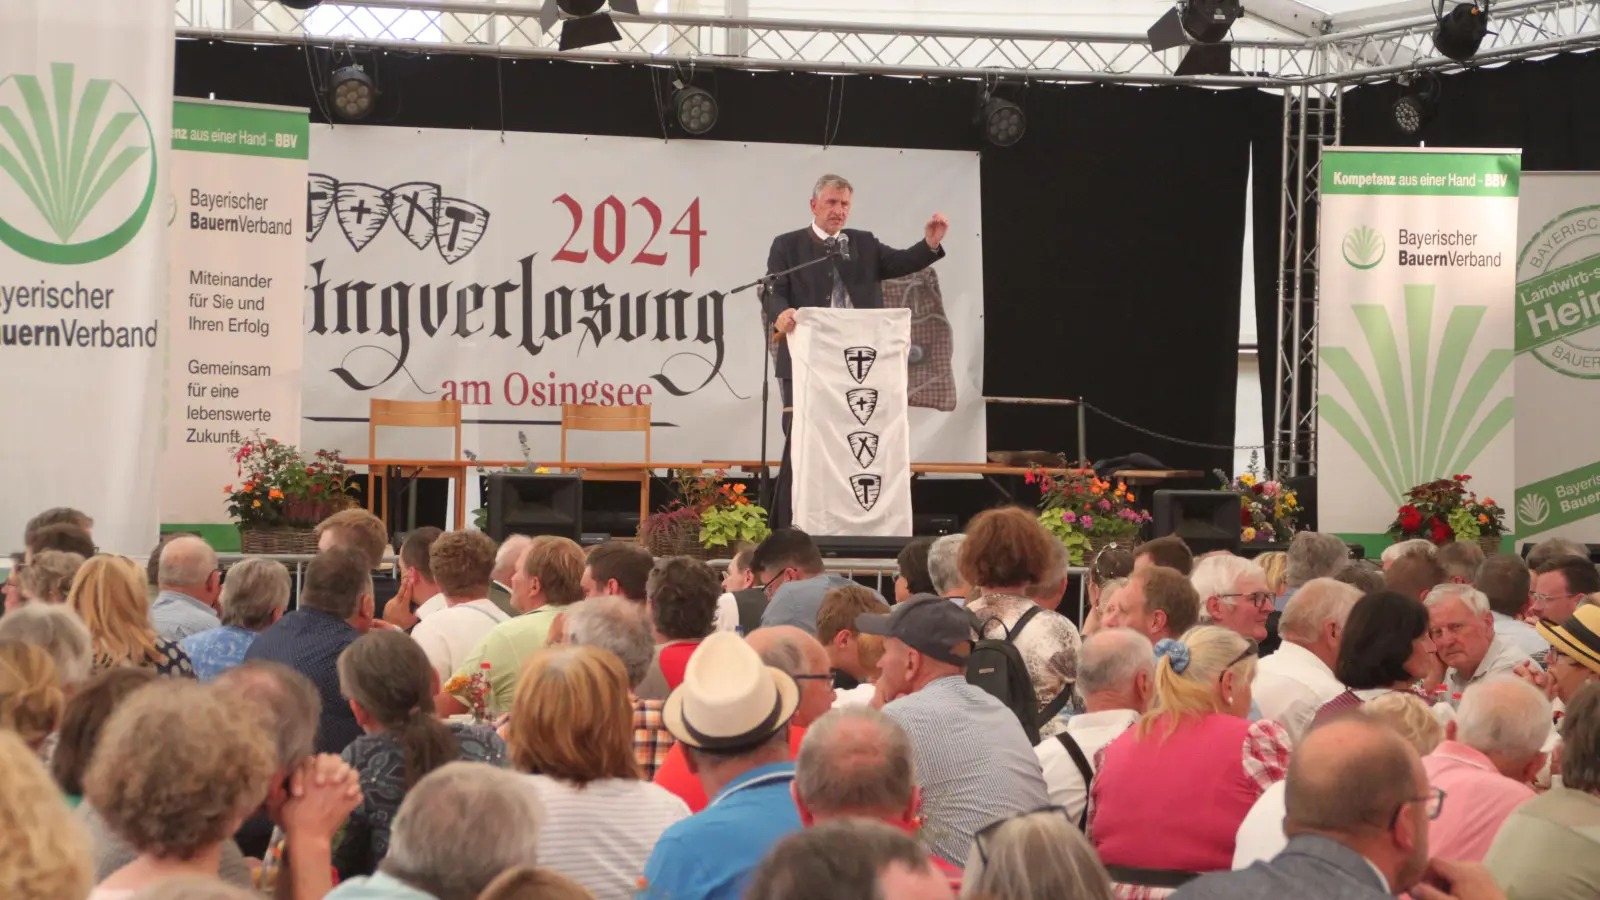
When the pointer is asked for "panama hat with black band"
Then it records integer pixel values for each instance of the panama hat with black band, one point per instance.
(730, 701)
(1578, 637)
(932, 626)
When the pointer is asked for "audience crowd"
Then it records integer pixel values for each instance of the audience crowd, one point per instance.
(535, 720)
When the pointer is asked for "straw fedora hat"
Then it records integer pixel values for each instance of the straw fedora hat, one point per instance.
(729, 699)
(1578, 637)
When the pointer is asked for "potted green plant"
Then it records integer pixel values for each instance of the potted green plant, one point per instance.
(706, 519)
(1085, 512)
(1447, 510)
(281, 496)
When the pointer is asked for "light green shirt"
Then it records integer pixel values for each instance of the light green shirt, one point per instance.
(505, 648)
(1549, 848)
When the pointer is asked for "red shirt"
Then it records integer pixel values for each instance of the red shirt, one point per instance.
(674, 659)
(674, 774)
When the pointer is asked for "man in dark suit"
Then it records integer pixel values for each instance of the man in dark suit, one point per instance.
(1358, 806)
(853, 283)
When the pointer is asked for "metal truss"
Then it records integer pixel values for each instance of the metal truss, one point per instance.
(1527, 28)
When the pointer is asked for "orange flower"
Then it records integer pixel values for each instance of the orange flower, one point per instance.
(738, 489)
(275, 494)
(228, 489)
(1483, 519)
(249, 486)
(256, 503)
(1489, 502)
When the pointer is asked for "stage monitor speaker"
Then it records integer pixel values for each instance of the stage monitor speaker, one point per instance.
(535, 505)
(846, 547)
(1206, 520)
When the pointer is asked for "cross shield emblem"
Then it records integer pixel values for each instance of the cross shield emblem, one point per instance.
(864, 446)
(362, 210)
(461, 224)
(319, 199)
(867, 488)
(863, 403)
(858, 362)
(416, 211)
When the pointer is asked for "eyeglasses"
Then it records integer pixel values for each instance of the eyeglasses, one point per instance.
(827, 677)
(987, 832)
(775, 582)
(1258, 599)
(1434, 798)
(1546, 598)
(1253, 650)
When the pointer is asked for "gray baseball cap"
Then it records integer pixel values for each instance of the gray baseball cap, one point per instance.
(930, 625)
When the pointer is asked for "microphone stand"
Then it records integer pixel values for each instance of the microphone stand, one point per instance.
(763, 479)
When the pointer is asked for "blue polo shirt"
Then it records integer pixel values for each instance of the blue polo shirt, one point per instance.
(712, 854)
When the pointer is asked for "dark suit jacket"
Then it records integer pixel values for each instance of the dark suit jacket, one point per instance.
(870, 263)
(1310, 868)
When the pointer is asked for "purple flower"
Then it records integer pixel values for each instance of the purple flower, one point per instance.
(1086, 522)
(1105, 504)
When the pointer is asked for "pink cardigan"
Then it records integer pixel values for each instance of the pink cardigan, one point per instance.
(1176, 802)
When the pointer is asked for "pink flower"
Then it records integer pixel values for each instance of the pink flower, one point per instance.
(1086, 522)
(1105, 504)
(1271, 488)
(1068, 516)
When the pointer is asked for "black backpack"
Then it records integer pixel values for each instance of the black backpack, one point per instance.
(996, 666)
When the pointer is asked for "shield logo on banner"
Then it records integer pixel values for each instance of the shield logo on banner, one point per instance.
(867, 488)
(416, 211)
(858, 362)
(461, 224)
(863, 403)
(864, 446)
(319, 199)
(362, 210)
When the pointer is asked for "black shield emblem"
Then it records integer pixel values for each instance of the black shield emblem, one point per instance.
(858, 362)
(867, 488)
(319, 199)
(864, 447)
(362, 209)
(416, 211)
(863, 403)
(461, 224)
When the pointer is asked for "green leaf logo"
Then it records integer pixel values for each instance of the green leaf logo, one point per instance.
(1414, 426)
(1363, 247)
(84, 162)
(1533, 510)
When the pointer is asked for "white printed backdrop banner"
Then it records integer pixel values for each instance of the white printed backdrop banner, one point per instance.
(238, 252)
(1558, 356)
(1414, 367)
(850, 446)
(85, 97)
(519, 271)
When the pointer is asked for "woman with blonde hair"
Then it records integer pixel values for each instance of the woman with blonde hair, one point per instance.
(1193, 751)
(571, 730)
(45, 853)
(390, 684)
(1276, 565)
(108, 593)
(48, 578)
(31, 699)
(1035, 856)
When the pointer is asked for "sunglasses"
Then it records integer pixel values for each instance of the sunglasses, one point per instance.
(986, 833)
(1253, 650)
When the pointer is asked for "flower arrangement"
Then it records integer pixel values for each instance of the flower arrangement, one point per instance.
(718, 513)
(280, 488)
(472, 690)
(1447, 510)
(1267, 509)
(1083, 510)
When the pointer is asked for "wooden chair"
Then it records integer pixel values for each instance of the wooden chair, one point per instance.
(419, 414)
(582, 417)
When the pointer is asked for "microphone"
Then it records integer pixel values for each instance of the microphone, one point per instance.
(844, 246)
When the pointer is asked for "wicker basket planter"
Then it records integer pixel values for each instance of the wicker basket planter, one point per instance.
(674, 536)
(265, 541)
(1489, 545)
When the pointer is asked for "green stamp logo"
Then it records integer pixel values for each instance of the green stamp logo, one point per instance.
(1363, 247)
(84, 161)
(1558, 294)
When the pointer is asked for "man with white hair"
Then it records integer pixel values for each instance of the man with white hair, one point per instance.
(1462, 629)
(253, 600)
(1234, 594)
(190, 585)
(1293, 683)
(944, 571)
(1117, 679)
(57, 630)
(458, 829)
(1491, 751)
(506, 560)
(1406, 548)
(1312, 555)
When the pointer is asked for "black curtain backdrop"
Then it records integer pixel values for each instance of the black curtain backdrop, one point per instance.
(1112, 235)
(1545, 108)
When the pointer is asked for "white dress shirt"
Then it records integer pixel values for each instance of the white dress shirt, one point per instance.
(1501, 658)
(433, 605)
(449, 635)
(1291, 685)
(1260, 836)
(1092, 731)
(1520, 635)
(727, 617)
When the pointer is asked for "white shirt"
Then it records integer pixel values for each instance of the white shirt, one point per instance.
(1092, 731)
(727, 617)
(449, 635)
(600, 835)
(1500, 659)
(1520, 635)
(1260, 835)
(1291, 685)
(860, 695)
(433, 605)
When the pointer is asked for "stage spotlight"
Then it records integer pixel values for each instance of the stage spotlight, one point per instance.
(696, 109)
(1461, 31)
(587, 24)
(352, 93)
(1205, 21)
(1003, 122)
(1418, 103)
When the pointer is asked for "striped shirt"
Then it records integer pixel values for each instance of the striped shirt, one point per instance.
(973, 762)
(600, 835)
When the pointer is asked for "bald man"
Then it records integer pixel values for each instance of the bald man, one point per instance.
(1349, 844)
(802, 656)
(191, 587)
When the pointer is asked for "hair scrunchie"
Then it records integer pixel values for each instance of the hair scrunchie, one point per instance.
(1176, 652)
